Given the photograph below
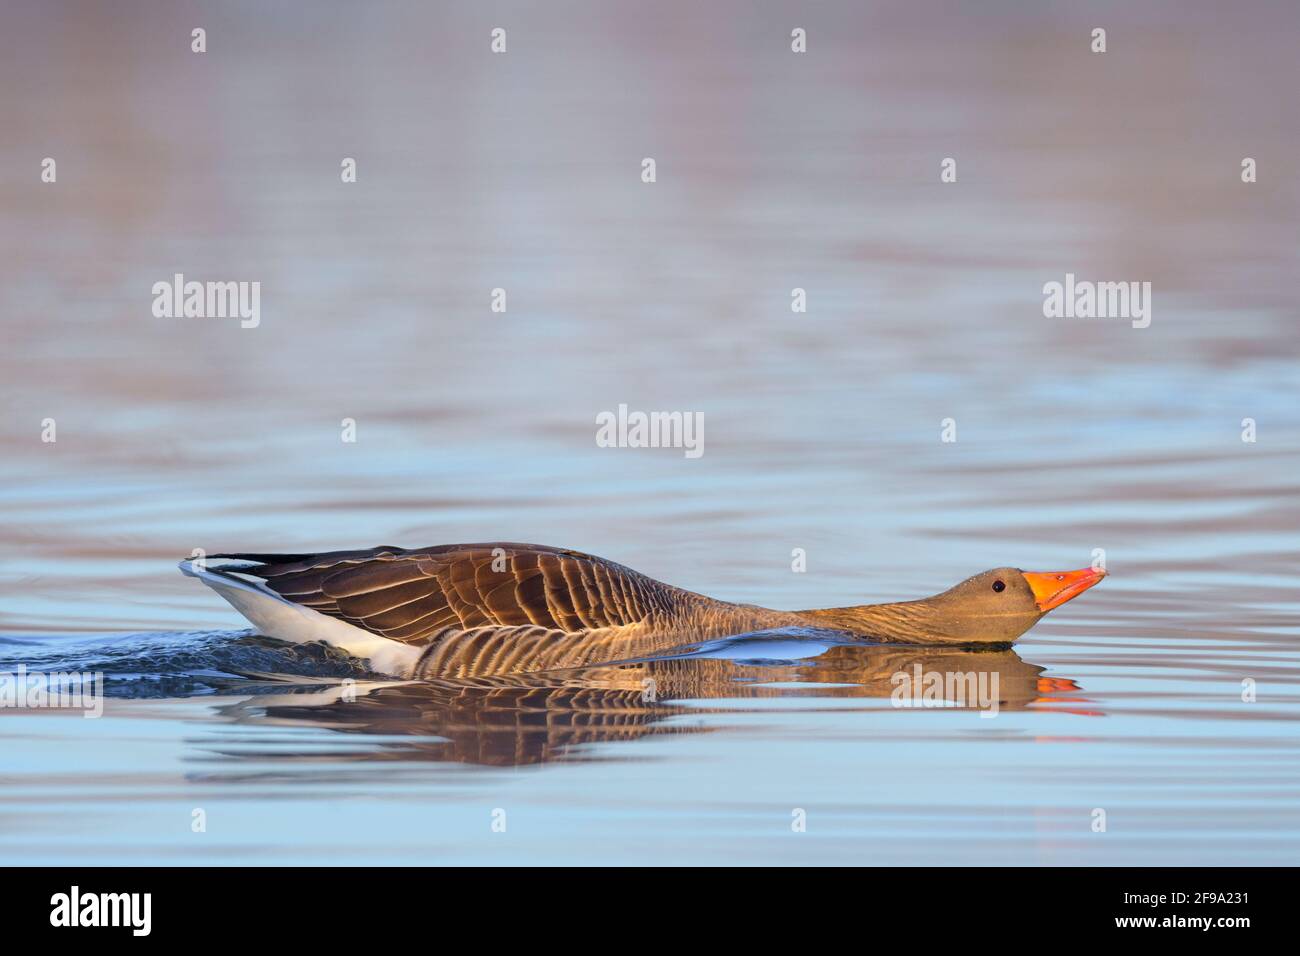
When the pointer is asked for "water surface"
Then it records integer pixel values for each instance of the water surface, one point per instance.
(823, 428)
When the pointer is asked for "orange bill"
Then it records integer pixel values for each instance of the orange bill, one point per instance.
(1053, 588)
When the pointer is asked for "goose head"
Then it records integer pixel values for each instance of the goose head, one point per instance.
(997, 606)
(993, 607)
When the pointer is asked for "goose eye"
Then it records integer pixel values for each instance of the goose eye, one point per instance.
(999, 586)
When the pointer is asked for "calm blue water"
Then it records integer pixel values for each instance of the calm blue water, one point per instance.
(822, 432)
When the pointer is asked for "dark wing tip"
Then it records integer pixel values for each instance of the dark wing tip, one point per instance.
(265, 558)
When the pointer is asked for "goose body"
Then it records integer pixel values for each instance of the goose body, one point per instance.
(479, 609)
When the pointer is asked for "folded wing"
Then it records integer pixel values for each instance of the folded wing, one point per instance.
(411, 595)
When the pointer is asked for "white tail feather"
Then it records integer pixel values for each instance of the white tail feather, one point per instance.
(277, 617)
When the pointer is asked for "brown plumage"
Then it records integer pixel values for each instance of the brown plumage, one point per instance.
(503, 607)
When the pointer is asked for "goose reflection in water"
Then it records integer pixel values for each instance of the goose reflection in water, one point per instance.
(536, 718)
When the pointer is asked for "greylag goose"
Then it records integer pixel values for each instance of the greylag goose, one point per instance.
(464, 610)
